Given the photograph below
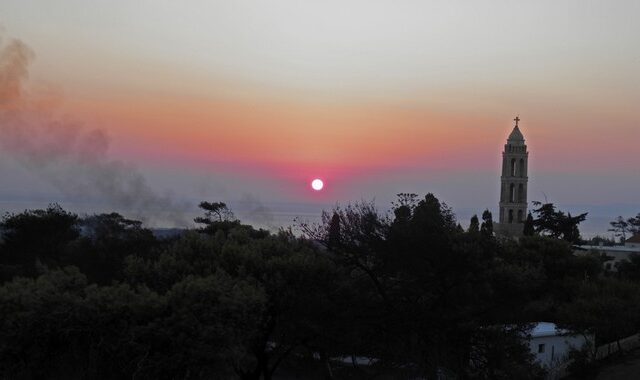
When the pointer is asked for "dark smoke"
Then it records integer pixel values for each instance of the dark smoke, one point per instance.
(68, 155)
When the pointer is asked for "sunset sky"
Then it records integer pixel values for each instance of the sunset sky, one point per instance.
(248, 101)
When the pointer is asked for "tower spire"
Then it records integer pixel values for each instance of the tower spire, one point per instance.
(513, 184)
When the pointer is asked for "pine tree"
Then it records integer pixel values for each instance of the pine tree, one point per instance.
(487, 224)
(334, 231)
(528, 226)
(474, 225)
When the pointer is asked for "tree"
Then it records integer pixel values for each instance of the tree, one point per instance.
(544, 273)
(298, 285)
(217, 216)
(212, 324)
(569, 227)
(529, 229)
(214, 211)
(106, 240)
(555, 223)
(608, 308)
(433, 283)
(333, 235)
(630, 268)
(499, 352)
(487, 224)
(58, 326)
(445, 293)
(362, 235)
(35, 238)
(474, 225)
(621, 227)
(634, 224)
(410, 288)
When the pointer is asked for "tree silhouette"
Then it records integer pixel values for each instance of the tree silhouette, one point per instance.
(487, 224)
(529, 226)
(36, 238)
(634, 224)
(474, 225)
(621, 227)
(555, 223)
(214, 212)
(217, 217)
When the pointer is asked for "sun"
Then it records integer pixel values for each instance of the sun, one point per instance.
(317, 184)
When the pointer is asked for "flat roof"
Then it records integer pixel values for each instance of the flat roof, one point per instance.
(615, 248)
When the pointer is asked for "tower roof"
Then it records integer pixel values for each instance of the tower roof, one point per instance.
(516, 135)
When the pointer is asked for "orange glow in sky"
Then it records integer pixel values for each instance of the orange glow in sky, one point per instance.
(374, 97)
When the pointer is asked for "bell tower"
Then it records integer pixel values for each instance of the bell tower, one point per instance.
(513, 183)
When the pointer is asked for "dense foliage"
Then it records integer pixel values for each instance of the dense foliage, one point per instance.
(413, 293)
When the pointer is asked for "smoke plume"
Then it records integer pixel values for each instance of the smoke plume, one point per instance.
(68, 155)
(252, 210)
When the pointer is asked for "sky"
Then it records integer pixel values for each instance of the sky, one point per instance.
(148, 107)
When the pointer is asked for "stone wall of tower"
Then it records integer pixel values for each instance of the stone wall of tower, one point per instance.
(513, 185)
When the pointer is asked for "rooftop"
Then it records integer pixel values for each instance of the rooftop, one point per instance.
(546, 329)
(543, 328)
(633, 239)
(615, 248)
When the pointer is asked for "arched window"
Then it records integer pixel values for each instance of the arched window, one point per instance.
(520, 193)
(512, 193)
(519, 216)
(521, 168)
(510, 216)
(513, 167)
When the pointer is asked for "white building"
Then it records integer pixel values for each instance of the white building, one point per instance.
(616, 253)
(551, 345)
(633, 242)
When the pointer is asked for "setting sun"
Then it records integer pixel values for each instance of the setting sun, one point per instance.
(317, 184)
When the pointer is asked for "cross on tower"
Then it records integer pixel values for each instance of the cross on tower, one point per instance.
(517, 119)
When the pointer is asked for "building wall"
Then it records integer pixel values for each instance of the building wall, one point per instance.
(508, 230)
(556, 348)
(616, 253)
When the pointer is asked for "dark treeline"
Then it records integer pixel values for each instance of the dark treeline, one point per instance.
(101, 297)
